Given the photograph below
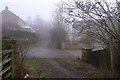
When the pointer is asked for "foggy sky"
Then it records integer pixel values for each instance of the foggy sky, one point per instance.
(25, 8)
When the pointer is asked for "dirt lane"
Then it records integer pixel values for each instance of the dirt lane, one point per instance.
(67, 72)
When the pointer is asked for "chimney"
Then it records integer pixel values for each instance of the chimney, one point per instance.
(6, 8)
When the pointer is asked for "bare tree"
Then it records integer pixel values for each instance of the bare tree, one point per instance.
(99, 18)
(58, 33)
(22, 48)
(40, 26)
(29, 21)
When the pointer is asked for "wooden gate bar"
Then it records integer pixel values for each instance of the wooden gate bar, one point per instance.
(6, 64)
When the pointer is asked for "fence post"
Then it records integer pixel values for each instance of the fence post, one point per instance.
(13, 44)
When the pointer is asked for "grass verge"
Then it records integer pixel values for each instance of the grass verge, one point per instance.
(41, 68)
(35, 44)
(80, 67)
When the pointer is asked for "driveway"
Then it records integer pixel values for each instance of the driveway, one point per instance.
(43, 51)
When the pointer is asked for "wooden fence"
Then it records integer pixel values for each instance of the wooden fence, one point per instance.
(6, 64)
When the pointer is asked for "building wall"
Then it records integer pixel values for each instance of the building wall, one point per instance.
(21, 23)
(11, 21)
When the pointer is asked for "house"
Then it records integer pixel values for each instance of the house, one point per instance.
(10, 21)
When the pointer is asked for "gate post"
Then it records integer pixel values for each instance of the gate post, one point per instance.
(13, 44)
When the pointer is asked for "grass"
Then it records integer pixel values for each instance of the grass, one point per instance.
(35, 44)
(35, 70)
(28, 44)
(80, 67)
(52, 46)
(40, 68)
